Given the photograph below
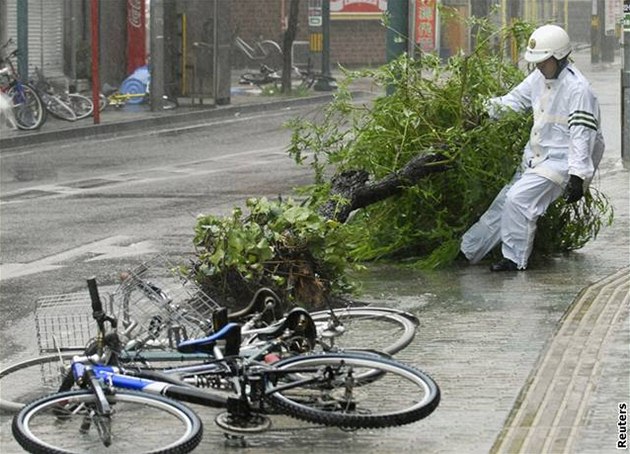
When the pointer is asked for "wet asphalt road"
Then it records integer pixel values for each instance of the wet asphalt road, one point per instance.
(482, 336)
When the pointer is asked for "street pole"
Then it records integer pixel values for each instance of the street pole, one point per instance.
(325, 84)
(625, 85)
(397, 33)
(398, 30)
(96, 81)
(22, 39)
(157, 55)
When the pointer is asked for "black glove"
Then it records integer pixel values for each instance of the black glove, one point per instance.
(574, 190)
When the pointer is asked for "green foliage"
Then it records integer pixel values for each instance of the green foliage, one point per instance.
(432, 106)
(567, 227)
(279, 244)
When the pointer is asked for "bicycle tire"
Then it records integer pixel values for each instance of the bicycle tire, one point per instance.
(273, 54)
(259, 79)
(56, 424)
(389, 331)
(401, 395)
(26, 380)
(29, 109)
(82, 106)
(59, 109)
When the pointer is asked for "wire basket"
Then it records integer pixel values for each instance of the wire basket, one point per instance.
(158, 306)
(64, 322)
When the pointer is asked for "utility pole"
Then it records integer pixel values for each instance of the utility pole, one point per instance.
(157, 54)
(625, 85)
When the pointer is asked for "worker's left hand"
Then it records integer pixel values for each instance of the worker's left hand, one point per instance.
(574, 190)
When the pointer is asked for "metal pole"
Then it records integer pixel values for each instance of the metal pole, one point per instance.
(157, 54)
(397, 33)
(398, 30)
(625, 85)
(96, 82)
(215, 52)
(325, 84)
(22, 39)
(595, 34)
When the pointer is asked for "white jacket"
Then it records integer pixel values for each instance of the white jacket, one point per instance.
(566, 137)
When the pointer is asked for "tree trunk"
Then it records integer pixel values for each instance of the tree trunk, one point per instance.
(287, 44)
(357, 192)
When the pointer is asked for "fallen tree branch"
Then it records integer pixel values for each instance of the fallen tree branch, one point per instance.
(351, 189)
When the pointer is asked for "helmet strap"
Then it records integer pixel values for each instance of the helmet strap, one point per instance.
(561, 64)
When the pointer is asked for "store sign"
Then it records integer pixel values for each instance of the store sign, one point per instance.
(424, 25)
(315, 13)
(136, 35)
(357, 9)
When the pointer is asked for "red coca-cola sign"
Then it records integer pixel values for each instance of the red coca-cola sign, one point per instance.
(136, 35)
(135, 13)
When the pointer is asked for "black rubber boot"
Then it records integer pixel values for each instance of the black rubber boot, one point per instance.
(504, 265)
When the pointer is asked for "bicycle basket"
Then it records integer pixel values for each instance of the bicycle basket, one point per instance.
(64, 322)
(158, 306)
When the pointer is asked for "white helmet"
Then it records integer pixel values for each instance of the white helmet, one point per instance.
(547, 41)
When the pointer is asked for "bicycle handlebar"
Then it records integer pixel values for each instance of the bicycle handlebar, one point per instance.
(97, 305)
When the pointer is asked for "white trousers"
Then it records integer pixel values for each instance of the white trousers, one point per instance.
(511, 219)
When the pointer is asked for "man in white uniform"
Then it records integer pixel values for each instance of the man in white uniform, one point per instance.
(563, 152)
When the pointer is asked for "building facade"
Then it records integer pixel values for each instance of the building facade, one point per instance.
(59, 33)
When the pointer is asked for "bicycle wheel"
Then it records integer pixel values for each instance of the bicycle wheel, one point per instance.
(259, 79)
(81, 105)
(22, 382)
(59, 109)
(273, 54)
(30, 112)
(139, 423)
(328, 392)
(365, 328)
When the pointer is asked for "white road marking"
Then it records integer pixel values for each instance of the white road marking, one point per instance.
(109, 248)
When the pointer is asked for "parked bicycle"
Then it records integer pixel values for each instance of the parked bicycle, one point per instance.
(347, 390)
(28, 107)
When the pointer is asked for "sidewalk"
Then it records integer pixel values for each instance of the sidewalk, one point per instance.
(243, 98)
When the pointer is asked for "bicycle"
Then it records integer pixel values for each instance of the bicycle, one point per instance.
(333, 389)
(305, 79)
(28, 107)
(153, 320)
(60, 103)
(112, 96)
(263, 51)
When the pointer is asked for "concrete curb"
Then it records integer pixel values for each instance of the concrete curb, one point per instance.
(550, 412)
(153, 120)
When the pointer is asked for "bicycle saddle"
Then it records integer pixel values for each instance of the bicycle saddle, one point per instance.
(230, 333)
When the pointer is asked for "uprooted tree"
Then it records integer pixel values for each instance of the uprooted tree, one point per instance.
(416, 168)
